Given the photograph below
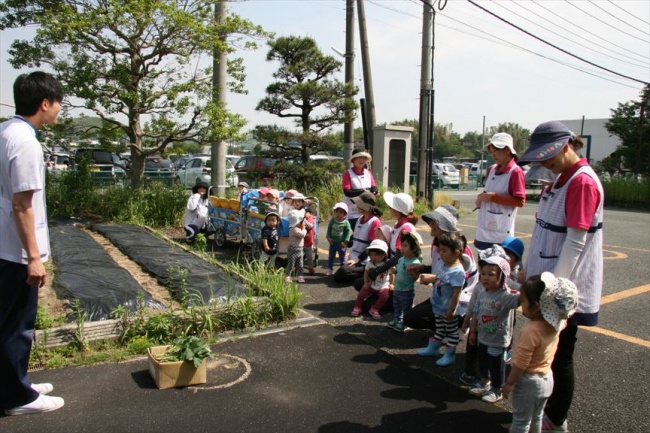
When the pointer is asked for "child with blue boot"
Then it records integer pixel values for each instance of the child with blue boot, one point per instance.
(444, 299)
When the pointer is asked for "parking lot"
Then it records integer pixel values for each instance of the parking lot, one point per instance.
(352, 374)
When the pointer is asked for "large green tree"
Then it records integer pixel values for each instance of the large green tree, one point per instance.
(630, 122)
(306, 92)
(520, 135)
(135, 64)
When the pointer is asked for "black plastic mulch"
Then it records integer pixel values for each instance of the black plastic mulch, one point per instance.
(167, 262)
(85, 271)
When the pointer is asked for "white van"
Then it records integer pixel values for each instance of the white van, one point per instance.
(479, 170)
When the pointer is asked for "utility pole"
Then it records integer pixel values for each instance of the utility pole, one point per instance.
(219, 147)
(480, 163)
(644, 102)
(348, 128)
(426, 70)
(367, 75)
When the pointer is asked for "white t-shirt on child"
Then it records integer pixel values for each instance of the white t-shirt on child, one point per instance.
(382, 281)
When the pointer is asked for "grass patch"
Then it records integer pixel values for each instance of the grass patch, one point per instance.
(270, 300)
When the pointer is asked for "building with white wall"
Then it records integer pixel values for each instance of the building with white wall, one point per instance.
(599, 143)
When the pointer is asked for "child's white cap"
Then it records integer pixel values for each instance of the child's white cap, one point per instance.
(378, 244)
(501, 263)
(295, 216)
(341, 205)
(559, 300)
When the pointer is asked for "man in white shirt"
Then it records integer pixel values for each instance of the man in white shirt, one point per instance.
(24, 239)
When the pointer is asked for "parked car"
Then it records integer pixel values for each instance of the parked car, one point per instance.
(233, 158)
(181, 161)
(106, 166)
(479, 172)
(199, 169)
(252, 167)
(445, 175)
(159, 169)
(58, 161)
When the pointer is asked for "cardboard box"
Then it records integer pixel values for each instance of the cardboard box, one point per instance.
(174, 374)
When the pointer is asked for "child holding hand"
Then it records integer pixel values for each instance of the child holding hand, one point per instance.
(377, 254)
(444, 299)
(547, 301)
(491, 326)
(404, 282)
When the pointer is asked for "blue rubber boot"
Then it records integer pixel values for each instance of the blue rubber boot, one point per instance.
(433, 349)
(448, 358)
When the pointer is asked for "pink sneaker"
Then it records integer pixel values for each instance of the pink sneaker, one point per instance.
(356, 312)
(301, 279)
(328, 272)
(287, 279)
(374, 313)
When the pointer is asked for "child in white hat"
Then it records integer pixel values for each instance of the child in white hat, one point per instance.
(339, 232)
(491, 325)
(548, 302)
(377, 254)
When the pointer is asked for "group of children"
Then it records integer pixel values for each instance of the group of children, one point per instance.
(301, 217)
(545, 300)
(296, 208)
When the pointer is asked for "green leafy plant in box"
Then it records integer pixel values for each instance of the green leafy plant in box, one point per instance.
(187, 348)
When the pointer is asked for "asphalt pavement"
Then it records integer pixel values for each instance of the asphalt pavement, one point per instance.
(330, 372)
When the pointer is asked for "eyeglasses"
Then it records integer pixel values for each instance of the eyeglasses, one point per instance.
(288, 199)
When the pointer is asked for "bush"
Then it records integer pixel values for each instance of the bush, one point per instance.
(73, 194)
(627, 193)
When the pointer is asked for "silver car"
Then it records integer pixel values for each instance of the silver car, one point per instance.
(445, 175)
(199, 169)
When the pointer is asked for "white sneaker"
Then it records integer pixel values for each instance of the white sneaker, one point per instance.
(480, 388)
(43, 388)
(43, 403)
(492, 396)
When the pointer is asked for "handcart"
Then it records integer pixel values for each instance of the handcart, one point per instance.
(241, 222)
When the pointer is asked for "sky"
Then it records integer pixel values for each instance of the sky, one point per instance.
(483, 67)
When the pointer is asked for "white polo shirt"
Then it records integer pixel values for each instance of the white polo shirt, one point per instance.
(21, 169)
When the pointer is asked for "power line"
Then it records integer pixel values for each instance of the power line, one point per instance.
(606, 23)
(392, 9)
(564, 37)
(629, 13)
(585, 30)
(614, 16)
(555, 46)
(500, 41)
(506, 43)
(576, 34)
